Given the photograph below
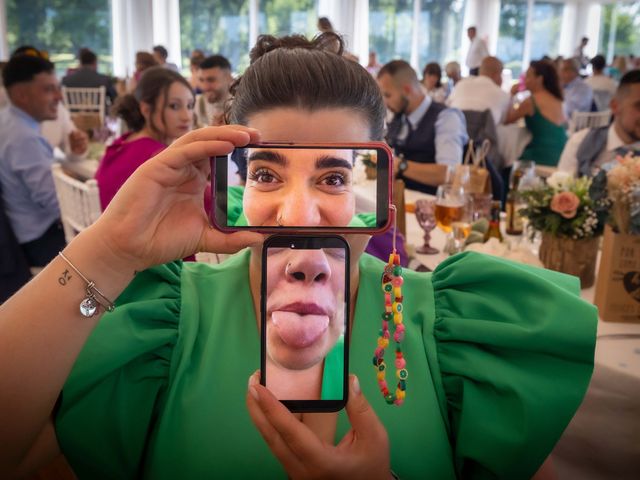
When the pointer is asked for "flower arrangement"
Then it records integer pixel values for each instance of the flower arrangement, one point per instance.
(368, 158)
(623, 178)
(568, 207)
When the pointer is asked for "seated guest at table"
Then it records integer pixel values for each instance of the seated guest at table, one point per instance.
(161, 54)
(26, 182)
(483, 92)
(432, 82)
(87, 75)
(452, 69)
(160, 110)
(144, 60)
(603, 86)
(578, 95)
(428, 137)
(543, 115)
(215, 79)
(590, 148)
(196, 58)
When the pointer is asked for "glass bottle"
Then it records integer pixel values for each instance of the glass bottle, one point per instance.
(514, 220)
(494, 223)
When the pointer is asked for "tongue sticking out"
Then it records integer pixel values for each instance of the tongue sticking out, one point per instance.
(299, 331)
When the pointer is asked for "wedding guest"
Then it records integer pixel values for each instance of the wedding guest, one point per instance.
(588, 149)
(196, 58)
(432, 82)
(603, 86)
(161, 54)
(543, 114)
(452, 69)
(427, 136)
(26, 157)
(477, 51)
(87, 75)
(144, 60)
(158, 112)
(63, 134)
(483, 92)
(578, 96)
(373, 67)
(618, 67)
(214, 76)
(579, 53)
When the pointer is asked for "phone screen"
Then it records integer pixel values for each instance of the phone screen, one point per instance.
(304, 321)
(265, 187)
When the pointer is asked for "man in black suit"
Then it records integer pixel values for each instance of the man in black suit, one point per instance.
(87, 75)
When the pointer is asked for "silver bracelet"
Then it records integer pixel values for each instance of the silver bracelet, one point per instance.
(95, 298)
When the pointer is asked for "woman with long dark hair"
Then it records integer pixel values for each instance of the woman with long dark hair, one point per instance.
(543, 114)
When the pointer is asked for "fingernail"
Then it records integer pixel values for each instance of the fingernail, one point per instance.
(253, 380)
(355, 384)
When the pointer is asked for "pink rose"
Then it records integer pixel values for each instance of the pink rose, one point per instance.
(565, 203)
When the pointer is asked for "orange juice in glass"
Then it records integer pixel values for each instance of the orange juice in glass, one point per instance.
(450, 206)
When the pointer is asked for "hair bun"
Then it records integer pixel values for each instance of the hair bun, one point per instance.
(127, 107)
(327, 41)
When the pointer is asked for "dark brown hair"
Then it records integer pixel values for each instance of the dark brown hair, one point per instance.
(549, 74)
(434, 69)
(145, 60)
(296, 72)
(154, 83)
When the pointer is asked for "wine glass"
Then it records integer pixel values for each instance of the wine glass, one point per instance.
(426, 216)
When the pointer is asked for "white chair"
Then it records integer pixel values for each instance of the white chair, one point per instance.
(580, 120)
(85, 101)
(79, 202)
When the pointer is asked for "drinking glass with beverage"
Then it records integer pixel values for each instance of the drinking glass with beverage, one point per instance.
(450, 205)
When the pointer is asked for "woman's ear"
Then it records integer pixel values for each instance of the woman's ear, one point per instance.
(145, 109)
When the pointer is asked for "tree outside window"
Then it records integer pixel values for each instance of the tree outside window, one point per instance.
(61, 28)
(626, 36)
(215, 27)
(545, 34)
(390, 29)
(440, 31)
(287, 17)
(513, 20)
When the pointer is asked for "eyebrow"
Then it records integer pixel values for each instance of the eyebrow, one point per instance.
(269, 156)
(322, 162)
(333, 162)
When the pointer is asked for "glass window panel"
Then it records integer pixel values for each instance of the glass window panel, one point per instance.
(62, 27)
(513, 19)
(626, 39)
(545, 34)
(285, 17)
(215, 27)
(390, 29)
(440, 31)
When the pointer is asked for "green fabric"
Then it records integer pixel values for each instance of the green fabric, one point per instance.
(235, 214)
(333, 372)
(547, 139)
(499, 357)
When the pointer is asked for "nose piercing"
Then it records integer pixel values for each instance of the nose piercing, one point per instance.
(286, 269)
(279, 221)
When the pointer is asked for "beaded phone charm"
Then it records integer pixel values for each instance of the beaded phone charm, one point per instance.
(392, 287)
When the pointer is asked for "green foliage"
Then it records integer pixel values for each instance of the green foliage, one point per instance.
(627, 36)
(62, 27)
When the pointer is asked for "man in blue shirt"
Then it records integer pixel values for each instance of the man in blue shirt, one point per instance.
(26, 182)
(578, 96)
(428, 138)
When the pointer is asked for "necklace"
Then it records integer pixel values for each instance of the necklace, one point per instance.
(392, 287)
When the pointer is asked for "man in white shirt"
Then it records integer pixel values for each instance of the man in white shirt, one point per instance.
(477, 51)
(590, 148)
(214, 75)
(604, 87)
(483, 92)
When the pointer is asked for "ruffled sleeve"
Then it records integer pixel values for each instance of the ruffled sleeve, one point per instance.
(111, 399)
(515, 347)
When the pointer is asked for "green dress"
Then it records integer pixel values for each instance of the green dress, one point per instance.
(499, 357)
(547, 139)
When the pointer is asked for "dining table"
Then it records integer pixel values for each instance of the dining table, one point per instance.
(603, 439)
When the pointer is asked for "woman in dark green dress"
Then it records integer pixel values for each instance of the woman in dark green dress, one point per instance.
(499, 354)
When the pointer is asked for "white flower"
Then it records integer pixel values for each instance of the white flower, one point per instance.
(560, 180)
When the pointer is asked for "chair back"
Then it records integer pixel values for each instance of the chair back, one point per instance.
(581, 120)
(79, 202)
(602, 98)
(86, 105)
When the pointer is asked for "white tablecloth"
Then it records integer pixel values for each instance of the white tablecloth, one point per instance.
(603, 439)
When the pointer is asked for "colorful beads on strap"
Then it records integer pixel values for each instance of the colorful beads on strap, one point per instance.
(392, 287)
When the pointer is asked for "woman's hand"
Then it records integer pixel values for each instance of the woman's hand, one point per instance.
(158, 214)
(362, 453)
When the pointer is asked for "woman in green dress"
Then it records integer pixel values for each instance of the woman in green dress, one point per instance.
(499, 355)
(543, 115)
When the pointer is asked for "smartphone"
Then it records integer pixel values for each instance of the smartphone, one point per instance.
(304, 318)
(268, 187)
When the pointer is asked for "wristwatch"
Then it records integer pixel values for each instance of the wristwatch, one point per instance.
(402, 166)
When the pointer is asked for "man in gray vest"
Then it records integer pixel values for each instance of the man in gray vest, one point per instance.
(589, 148)
(428, 138)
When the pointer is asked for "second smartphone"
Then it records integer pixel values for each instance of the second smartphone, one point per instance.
(305, 321)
